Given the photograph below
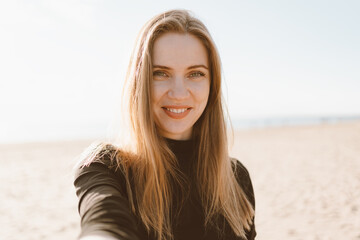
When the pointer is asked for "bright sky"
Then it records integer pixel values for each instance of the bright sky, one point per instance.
(62, 63)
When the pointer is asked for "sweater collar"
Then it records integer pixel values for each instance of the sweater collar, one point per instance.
(184, 151)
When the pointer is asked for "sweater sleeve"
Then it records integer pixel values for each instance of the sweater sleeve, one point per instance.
(103, 205)
(244, 180)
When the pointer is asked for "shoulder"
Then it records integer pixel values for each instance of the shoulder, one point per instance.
(97, 152)
(99, 158)
(104, 154)
(240, 171)
(243, 177)
(99, 166)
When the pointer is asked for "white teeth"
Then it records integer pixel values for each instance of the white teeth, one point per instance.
(181, 110)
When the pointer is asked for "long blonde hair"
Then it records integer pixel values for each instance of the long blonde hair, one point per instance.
(150, 162)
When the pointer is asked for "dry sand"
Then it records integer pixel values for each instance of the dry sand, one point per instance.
(306, 180)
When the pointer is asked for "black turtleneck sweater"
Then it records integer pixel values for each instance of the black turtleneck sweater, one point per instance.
(104, 206)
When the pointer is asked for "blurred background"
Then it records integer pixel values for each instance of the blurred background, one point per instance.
(291, 83)
(63, 62)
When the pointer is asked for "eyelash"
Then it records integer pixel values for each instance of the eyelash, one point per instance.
(198, 73)
(160, 74)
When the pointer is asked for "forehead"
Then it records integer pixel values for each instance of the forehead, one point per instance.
(179, 50)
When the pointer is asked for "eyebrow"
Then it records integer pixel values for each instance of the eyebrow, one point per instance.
(191, 67)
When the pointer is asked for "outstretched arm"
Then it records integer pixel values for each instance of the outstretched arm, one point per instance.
(103, 204)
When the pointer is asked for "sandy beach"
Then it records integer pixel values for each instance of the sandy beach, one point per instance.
(306, 180)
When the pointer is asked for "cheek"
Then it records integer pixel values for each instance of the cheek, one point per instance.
(157, 91)
(201, 92)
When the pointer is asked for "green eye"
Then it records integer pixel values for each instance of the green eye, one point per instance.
(160, 74)
(197, 74)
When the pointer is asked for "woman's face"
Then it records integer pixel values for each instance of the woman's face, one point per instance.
(181, 84)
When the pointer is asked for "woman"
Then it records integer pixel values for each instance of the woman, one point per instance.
(174, 178)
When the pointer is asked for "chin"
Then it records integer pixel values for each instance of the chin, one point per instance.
(176, 130)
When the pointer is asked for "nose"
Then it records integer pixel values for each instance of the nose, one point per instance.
(178, 89)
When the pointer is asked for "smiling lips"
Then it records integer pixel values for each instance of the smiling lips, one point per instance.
(177, 112)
